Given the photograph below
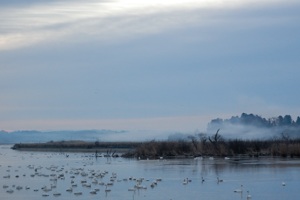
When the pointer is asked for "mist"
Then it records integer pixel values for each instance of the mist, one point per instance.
(247, 132)
(250, 126)
(32, 136)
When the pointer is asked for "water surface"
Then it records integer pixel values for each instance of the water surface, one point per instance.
(119, 178)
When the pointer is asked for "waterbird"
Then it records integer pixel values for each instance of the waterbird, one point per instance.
(153, 184)
(248, 195)
(107, 189)
(93, 192)
(19, 187)
(78, 193)
(185, 181)
(283, 184)
(56, 194)
(198, 158)
(10, 191)
(219, 180)
(240, 190)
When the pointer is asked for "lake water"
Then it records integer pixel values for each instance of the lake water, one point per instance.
(47, 175)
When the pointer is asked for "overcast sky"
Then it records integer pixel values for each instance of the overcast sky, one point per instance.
(146, 64)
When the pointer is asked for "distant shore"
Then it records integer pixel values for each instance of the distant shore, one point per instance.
(106, 148)
(213, 146)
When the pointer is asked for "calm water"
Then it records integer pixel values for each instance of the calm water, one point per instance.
(47, 175)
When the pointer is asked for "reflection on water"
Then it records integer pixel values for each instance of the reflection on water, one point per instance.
(48, 175)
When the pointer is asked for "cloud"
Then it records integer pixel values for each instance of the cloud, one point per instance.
(105, 20)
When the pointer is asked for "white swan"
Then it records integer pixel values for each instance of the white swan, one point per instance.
(240, 190)
(248, 195)
(185, 181)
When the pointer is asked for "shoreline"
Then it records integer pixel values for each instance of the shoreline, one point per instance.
(213, 147)
(102, 148)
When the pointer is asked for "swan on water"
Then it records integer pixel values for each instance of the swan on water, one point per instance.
(248, 195)
(219, 180)
(240, 190)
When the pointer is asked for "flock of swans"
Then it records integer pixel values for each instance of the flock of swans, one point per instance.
(56, 180)
(79, 180)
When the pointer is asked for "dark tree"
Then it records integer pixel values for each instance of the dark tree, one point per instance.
(279, 121)
(287, 120)
(298, 121)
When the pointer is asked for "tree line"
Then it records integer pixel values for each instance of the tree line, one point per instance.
(258, 121)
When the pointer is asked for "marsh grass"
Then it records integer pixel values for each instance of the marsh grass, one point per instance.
(214, 146)
(252, 148)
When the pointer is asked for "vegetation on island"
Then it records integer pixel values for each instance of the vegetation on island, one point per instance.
(196, 145)
(108, 147)
(251, 119)
(216, 145)
(255, 123)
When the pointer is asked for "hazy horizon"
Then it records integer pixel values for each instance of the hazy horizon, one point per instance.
(161, 66)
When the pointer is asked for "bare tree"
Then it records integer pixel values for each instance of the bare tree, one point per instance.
(216, 139)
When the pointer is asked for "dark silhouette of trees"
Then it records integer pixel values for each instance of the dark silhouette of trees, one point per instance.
(258, 121)
(287, 120)
(298, 121)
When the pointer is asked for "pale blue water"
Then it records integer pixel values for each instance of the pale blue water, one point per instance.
(261, 177)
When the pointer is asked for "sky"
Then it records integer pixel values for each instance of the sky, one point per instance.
(152, 65)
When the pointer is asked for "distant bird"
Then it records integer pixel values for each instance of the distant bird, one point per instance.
(78, 193)
(93, 192)
(107, 189)
(198, 158)
(240, 190)
(248, 195)
(283, 183)
(219, 180)
(202, 179)
(185, 181)
(57, 194)
(10, 191)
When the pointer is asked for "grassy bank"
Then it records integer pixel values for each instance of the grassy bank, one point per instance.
(78, 146)
(251, 148)
(216, 145)
(201, 146)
